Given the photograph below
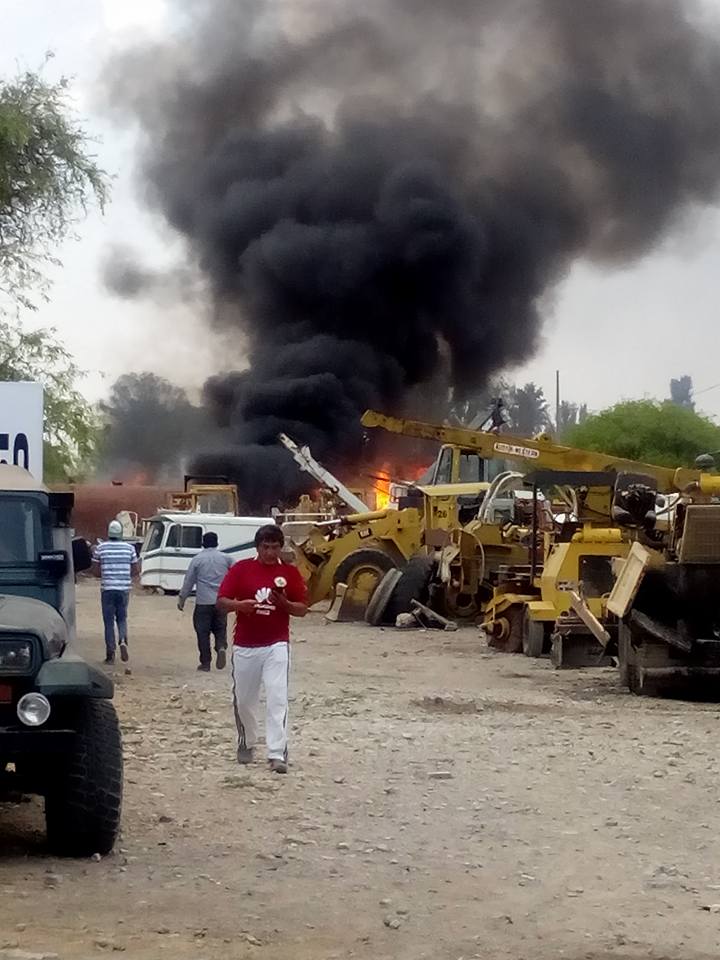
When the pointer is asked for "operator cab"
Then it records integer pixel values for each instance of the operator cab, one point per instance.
(457, 465)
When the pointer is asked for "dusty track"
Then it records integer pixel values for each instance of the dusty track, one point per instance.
(576, 821)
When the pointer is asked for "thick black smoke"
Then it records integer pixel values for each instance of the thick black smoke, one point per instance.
(373, 191)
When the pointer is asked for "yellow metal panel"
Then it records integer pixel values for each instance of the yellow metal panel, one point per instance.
(628, 583)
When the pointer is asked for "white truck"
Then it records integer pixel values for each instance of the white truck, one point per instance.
(173, 538)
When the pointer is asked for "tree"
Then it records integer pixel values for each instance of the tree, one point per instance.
(528, 410)
(662, 433)
(681, 392)
(150, 425)
(71, 423)
(47, 178)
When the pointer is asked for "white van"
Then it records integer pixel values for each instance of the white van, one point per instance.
(173, 539)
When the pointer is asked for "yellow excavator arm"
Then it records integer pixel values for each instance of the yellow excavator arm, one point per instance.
(543, 453)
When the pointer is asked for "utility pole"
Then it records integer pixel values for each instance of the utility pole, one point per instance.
(557, 404)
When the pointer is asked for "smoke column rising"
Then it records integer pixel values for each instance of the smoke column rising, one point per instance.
(375, 195)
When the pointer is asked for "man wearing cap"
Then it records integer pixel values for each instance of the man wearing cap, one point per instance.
(264, 593)
(117, 561)
(204, 575)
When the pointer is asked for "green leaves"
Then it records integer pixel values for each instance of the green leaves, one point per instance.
(663, 433)
(47, 179)
(71, 423)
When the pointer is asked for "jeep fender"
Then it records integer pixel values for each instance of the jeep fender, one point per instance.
(71, 676)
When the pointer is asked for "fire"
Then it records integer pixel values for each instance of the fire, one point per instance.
(382, 487)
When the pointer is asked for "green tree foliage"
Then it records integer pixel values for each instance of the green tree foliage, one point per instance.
(47, 179)
(71, 424)
(663, 433)
(150, 426)
(528, 410)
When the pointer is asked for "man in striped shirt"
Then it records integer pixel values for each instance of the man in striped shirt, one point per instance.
(117, 560)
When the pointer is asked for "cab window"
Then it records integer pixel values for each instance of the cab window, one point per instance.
(471, 468)
(443, 474)
(23, 531)
(191, 538)
(153, 539)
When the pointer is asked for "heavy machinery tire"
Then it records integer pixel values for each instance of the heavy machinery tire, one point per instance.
(624, 655)
(83, 803)
(367, 564)
(375, 611)
(512, 642)
(533, 638)
(414, 584)
(515, 638)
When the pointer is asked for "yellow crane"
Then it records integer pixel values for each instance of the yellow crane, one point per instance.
(544, 452)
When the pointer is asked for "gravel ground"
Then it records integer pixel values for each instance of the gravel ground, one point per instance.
(443, 802)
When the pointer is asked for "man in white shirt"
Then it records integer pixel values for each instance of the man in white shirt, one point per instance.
(117, 560)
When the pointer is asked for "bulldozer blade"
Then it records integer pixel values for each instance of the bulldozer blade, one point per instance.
(344, 608)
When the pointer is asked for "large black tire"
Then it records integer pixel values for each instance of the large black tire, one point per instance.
(360, 563)
(533, 640)
(375, 612)
(84, 800)
(515, 618)
(625, 655)
(414, 584)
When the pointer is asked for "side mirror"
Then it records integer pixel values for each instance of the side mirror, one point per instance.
(54, 562)
(82, 557)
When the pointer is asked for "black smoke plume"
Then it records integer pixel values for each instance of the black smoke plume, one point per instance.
(378, 192)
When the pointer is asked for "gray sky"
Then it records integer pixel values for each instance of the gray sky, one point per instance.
(614, 336)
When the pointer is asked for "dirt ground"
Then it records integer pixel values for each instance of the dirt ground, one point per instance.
(443, 802)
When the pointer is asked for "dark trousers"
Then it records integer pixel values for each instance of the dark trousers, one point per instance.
(207, 619)
(114, 605)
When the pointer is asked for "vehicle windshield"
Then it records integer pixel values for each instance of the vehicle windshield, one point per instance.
(216, 502)
(472, 468)
(154, 536)
(24, 529)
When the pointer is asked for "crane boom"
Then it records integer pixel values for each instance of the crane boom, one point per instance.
(542, 452)
(307, 463)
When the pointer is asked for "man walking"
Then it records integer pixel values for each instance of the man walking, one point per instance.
(264, 593)
(206, 572)
(117, 560)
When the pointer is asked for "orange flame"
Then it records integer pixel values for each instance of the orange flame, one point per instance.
(382, 488)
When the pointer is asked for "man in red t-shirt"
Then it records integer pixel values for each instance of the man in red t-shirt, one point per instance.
(264, 593)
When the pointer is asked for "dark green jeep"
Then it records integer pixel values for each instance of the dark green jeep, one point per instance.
(59, 733)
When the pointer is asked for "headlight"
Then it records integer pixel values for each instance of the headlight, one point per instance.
(33, 709)
(16, 656)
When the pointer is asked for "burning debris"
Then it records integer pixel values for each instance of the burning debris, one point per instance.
(380, 199)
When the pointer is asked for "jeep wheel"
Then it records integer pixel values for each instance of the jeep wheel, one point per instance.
(82, 806)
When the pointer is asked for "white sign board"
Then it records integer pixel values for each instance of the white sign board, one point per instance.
(21, 426)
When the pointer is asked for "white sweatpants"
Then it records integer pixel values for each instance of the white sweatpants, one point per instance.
(270, 666)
